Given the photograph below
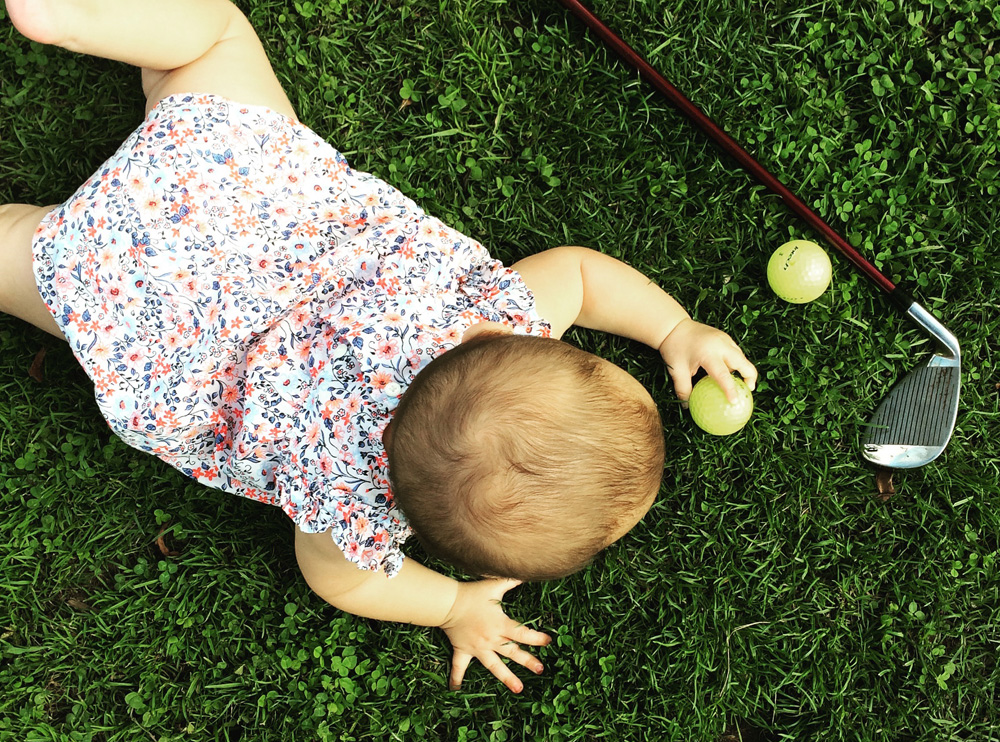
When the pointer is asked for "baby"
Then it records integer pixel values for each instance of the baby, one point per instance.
(280, 326)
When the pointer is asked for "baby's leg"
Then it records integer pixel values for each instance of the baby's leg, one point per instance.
(18, 293)
(183, 46)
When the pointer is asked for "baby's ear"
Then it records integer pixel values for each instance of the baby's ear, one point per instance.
(484, 329)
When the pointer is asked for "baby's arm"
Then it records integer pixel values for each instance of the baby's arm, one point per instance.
(469, 612)
(579, 286)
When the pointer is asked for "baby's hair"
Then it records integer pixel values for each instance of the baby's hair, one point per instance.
(518, 456)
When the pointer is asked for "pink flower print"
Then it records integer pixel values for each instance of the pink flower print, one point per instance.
(452, 335)
(189, 288)
(283, 292)
(313, 433)
(65, 278)
(326, 463)
(135, 357)
(301, 353)
(228, 371)
(387, 348)
(101, 351)
(148, 204)
(230, 394)
(172, 340)
(106, 258)
(340, 433)
(380, 379)
(363, 526)
(114, 290)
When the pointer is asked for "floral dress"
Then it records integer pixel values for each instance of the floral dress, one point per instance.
(251, 309)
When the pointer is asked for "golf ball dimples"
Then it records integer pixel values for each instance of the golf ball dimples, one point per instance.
(799, 271)
(713, 412)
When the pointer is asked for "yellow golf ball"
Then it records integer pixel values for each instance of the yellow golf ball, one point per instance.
(799, 271)
(713, 412)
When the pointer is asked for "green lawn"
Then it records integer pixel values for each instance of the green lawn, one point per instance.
(769, 594)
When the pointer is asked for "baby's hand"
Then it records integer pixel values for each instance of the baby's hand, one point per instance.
(478, 627)
(692, 345)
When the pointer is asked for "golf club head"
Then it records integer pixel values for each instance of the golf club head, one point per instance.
(915, 421)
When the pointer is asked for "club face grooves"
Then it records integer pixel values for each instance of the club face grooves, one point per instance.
(913, 424)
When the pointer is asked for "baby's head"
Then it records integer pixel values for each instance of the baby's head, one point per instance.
(515, 456)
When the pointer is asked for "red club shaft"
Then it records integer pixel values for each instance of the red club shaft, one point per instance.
(727, 143)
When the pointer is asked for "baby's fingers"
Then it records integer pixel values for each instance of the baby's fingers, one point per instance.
(682, 382)
(492, 662)
(746, 369)
(524, 635)
(459, 664)
(721, 373)
(525, 659)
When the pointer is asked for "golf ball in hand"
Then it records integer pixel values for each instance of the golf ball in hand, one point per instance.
(799, 271)
(713, 412)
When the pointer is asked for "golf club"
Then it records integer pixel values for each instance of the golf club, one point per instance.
(914, 423)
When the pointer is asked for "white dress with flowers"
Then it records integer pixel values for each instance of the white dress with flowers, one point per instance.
(250, 309)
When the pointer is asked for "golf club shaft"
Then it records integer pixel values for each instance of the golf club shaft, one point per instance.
(703, 122)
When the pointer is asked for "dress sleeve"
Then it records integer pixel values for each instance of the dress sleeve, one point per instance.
(332, 469)
(369, 535)
(501, 295)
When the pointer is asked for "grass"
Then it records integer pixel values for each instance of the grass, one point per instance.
(770, 594)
